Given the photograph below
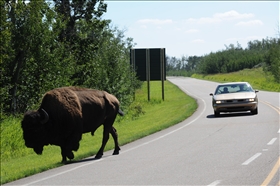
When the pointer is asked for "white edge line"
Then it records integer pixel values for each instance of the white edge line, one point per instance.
(252, 159)
(69, 170)
(187, 124)
(167, 134)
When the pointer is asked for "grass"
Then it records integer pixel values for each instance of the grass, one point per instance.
(256, 77)
(141, 119)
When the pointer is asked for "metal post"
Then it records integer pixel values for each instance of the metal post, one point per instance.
(148, 71)
(132, 57)
(162, 71)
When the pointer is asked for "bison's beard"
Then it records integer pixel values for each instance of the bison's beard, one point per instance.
(38, 150)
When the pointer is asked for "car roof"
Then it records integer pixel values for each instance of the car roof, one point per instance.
(234, 83)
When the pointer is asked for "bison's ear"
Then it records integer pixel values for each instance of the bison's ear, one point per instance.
(44, 116)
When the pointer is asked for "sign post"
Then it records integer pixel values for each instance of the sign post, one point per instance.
(149, 64)
(162, 59)
(148, 71)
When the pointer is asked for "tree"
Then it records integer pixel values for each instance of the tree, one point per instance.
(193, 63)
(6, 51)
(272, 59)
(61, 44)
(110, 69)
(82, 32)
(25, 24)
(82, 20)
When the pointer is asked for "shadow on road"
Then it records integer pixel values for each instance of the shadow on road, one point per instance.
(83, 160)
(225, 115)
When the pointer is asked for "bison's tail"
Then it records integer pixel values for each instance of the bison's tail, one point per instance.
(120, 112)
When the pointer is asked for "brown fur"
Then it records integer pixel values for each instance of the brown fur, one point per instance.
(72, 111)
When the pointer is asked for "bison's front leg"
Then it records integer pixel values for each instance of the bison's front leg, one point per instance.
(72, 143)
(66, 153)
(115, 137)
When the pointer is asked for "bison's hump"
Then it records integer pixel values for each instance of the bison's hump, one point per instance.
(63, 101)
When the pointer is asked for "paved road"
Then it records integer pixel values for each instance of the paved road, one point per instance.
(234, 149)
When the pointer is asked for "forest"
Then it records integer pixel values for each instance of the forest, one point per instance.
(48, 44)
(264, 53)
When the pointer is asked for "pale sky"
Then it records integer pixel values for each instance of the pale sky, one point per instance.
(194, 27)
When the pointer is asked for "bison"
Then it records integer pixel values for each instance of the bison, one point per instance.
(65, 114)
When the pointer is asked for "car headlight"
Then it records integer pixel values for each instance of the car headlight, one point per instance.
(251, 99)
(219, 102)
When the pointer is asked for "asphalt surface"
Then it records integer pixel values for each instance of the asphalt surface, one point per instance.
(233, 149)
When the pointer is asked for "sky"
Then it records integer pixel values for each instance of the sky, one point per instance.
(189, 28)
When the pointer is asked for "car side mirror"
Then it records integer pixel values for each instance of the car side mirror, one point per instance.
(211, 94)
(256, 91)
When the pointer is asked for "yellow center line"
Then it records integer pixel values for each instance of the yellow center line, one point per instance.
(277, 165)
(273, 107)
(272, 173)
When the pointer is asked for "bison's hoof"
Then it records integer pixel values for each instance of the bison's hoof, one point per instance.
(64, 161)
(98, 156)
(115, 152)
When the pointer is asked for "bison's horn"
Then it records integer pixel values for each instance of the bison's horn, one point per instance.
(46, 117)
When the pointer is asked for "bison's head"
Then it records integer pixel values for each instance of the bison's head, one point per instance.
(33, 129)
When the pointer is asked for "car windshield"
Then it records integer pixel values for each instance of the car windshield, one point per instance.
(233, 88)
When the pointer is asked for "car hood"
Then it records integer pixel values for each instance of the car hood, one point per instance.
(239, 95)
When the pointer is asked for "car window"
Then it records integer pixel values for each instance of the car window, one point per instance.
(223, 89)
(245, 88)
(234, 88)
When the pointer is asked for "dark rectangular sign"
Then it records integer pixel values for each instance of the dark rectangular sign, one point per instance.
(156, 60)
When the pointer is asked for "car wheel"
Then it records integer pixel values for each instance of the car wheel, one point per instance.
(255, 111)
(216, 113)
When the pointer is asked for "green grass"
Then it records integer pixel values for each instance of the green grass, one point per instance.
(256, 77)
(142, 118)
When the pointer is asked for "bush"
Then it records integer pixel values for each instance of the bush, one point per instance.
(12, 144)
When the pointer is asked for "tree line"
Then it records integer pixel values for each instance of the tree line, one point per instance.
(265, 53)
(49, 44)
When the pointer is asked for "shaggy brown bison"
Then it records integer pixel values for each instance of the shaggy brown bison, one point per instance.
(65, 114)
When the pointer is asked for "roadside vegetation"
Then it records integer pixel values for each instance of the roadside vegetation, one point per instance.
(258, 64)
(258, 78)
(141, 119)
(48, 44)
(264, 54)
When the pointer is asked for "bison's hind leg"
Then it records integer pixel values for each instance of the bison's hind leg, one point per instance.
(106, 131)
(115, 137)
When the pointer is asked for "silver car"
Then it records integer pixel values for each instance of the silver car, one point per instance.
(234, 97)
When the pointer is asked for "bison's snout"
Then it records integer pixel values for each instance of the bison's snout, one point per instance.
(38, 150)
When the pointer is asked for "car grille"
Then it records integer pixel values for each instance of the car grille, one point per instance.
(235, 100)
(236, 108)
